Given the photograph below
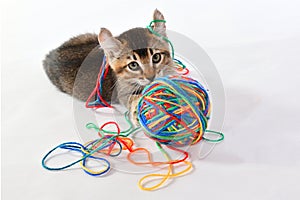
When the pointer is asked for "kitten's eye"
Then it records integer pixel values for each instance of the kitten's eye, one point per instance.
(156, 58)
(134, 66)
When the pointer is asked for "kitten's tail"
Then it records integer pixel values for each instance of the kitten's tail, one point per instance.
(62, 64)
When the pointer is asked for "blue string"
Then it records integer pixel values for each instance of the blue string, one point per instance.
(75, 146)
(173, 137)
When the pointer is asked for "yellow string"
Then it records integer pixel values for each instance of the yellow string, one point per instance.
(88, 169)
(165, 177)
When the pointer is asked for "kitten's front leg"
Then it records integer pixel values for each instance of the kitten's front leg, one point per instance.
(132, 107)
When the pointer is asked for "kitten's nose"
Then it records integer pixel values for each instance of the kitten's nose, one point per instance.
(150, 78)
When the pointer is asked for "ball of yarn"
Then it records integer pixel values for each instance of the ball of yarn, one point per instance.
(174, 110)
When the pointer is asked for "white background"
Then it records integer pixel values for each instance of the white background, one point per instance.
(255, 46)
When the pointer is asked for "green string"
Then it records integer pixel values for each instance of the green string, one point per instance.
(124, 133)
(221, 138)
(159, 35)
(161, 149)
(166, 39)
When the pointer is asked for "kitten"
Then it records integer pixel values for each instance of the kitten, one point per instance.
(136, 58)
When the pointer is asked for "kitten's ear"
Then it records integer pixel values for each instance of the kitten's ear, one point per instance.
(159, 27)
(110, 45)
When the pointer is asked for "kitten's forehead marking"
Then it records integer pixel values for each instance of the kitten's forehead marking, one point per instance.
(150, 51)
(134, 56)
(142, 53)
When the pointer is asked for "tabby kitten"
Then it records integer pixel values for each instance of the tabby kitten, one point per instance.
(136, 58)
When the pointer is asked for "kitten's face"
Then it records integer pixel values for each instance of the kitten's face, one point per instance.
(138, 56)
(142, 66)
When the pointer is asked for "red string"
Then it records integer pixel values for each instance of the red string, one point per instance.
(97, 91)
(127, 144)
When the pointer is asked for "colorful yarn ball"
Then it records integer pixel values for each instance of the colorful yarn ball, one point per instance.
(174, 110)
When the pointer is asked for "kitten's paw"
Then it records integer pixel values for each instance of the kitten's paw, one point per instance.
(133, 113)
(134, 117)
